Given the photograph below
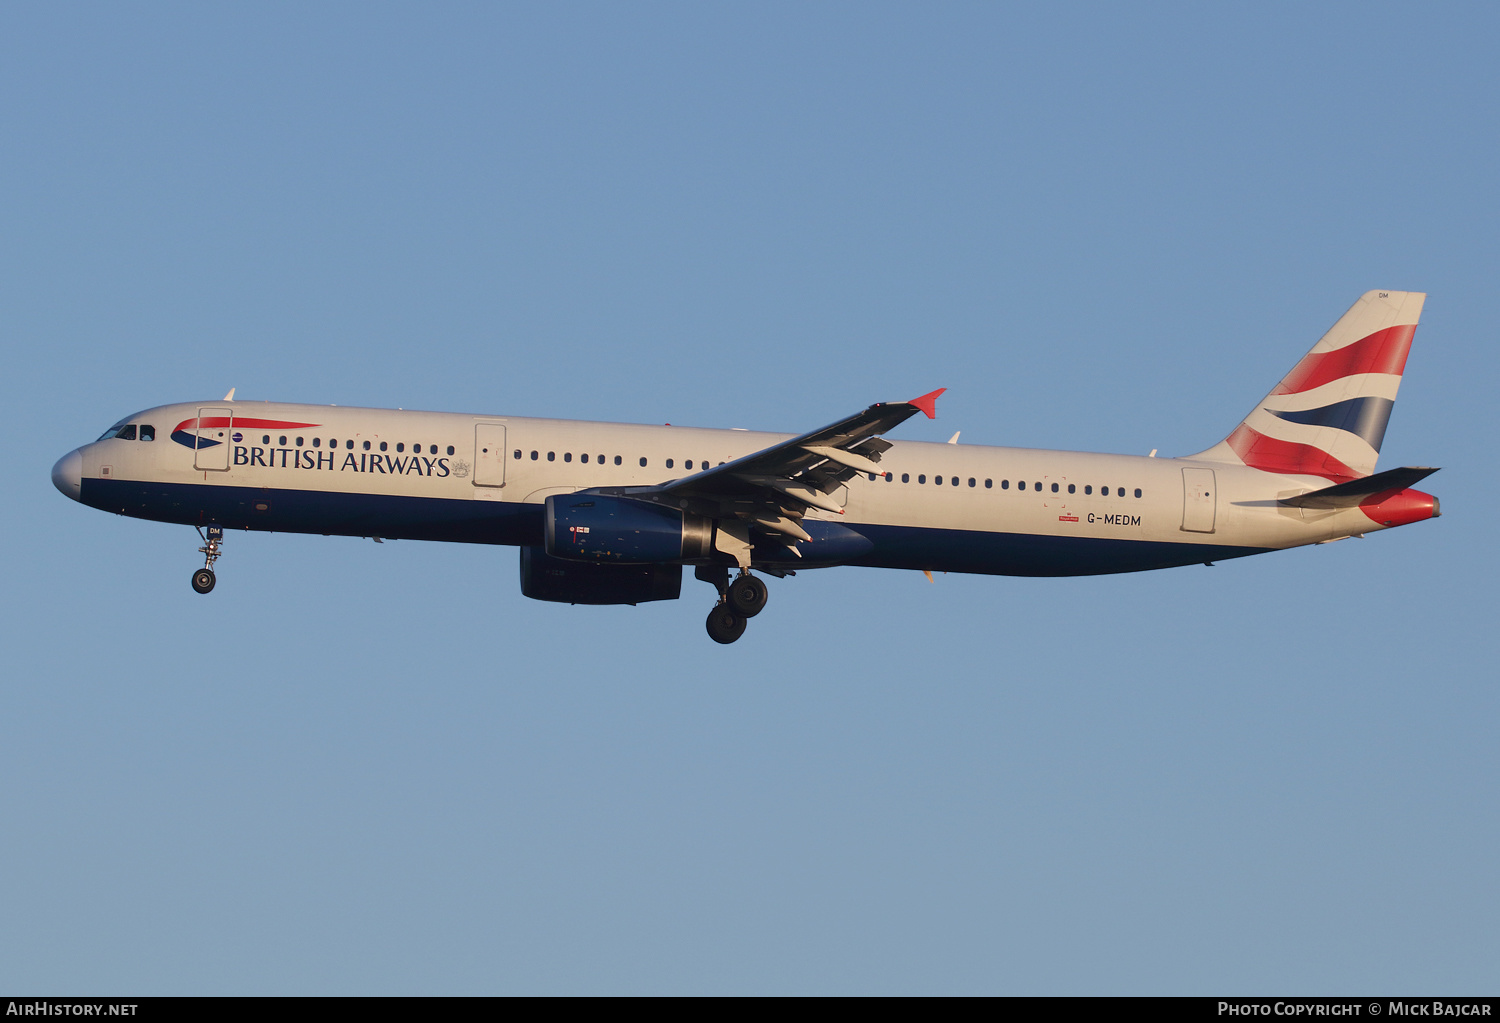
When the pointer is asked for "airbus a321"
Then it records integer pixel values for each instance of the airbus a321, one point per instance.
(609, 513)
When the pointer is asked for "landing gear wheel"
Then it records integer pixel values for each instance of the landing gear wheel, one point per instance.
(724, 626)
(203, 580)
(747, 596)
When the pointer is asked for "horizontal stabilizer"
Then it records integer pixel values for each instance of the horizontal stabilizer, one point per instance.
(1347, 495)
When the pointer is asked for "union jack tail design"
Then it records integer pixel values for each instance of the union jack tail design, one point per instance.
(1327, 417)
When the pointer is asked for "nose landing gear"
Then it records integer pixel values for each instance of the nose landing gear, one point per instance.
(213, 547)
(739, 601)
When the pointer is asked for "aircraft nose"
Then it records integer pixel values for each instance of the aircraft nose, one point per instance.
(67, 475)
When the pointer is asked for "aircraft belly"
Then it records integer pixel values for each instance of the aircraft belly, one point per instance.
(1030, 554)
(392, 516)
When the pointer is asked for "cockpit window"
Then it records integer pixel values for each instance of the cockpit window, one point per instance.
(148, 432)
(126, 433)
(113, 429)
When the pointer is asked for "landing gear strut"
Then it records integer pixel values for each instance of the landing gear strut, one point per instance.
(212, 549)
(739, 601)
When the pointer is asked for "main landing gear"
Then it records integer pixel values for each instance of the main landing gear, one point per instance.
(739, 601)
(213, 547)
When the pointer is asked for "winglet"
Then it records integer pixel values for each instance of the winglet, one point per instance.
(928, 403)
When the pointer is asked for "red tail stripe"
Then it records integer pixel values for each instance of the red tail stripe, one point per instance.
(1381, 352)
(1271, 455)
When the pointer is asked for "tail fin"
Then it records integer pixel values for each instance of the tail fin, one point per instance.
(1327, 417)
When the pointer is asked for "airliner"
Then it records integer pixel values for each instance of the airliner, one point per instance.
(611, 513)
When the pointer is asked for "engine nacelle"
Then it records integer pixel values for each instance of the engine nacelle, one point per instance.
(575, 582)
(590, 527)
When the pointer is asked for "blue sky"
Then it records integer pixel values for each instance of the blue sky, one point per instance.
(379, 769)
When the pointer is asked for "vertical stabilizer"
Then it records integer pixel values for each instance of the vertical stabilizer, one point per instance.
(1327, 417)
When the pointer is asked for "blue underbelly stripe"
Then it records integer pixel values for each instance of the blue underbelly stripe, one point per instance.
(492, 522)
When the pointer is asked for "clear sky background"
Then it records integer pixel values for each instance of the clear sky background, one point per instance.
(379, 769)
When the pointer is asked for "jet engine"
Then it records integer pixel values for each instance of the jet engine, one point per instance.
(622, 531)
(577, 582)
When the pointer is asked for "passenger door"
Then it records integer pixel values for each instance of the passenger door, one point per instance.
(1198, 500)
(211, 439)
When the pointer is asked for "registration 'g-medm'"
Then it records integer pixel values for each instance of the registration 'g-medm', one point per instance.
(609, 513)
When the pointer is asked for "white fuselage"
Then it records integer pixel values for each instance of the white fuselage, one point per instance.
(284, 452)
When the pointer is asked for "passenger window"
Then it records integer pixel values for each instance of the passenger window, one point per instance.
(1072, 489)
(669, 463)
(1088, 489)
(350, 445)
(890, 476)
(382, 445)
(450, 449)
(954, 481)
(266, 439)
(535, 455)
(1120, 492)
(1020, 484)
(584, 458)
(971, 481)
(317, 442)
(643, 463)
(126, 433)
(1137, 491)
(552, 456)
(299, 442)
(618, 460)
(367, 445)
(282, 441)
(516, 454)
(1005, 484)
(906, 477)
(989, 484)
(688, 464)
(937, 481)
(871, 475)
(148, 433)
(922, 478)
(399, 447)
(1054, 488)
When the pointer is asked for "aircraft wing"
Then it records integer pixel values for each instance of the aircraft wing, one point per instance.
(769, 491)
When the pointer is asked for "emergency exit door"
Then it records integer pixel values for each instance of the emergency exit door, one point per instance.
(1198, 500)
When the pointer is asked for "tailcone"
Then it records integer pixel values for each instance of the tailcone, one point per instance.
(1400, 507)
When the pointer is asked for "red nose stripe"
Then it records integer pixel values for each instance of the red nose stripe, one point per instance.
(248, 424)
